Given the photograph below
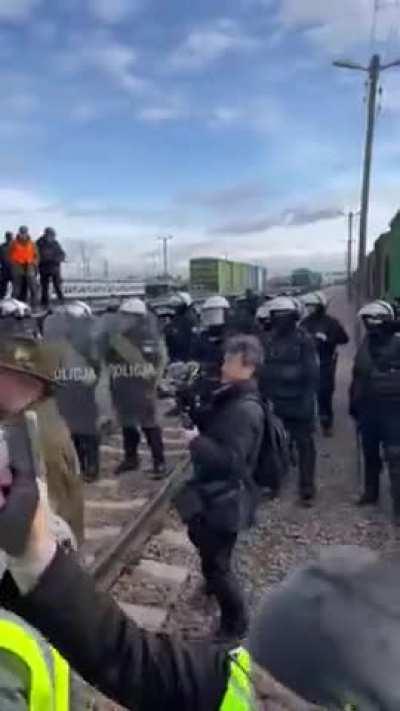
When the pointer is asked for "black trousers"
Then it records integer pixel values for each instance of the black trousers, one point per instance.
(25, 287)
(302, 434)
(131, 439)
(87, 448)
(326, 392)
(378, 429)
(215, 549)
(5, 280)
(46, 277)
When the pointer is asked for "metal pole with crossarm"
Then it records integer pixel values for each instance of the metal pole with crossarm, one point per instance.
(374, 69)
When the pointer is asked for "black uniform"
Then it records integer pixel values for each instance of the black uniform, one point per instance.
(208, 350)
(51, 255)
(375, 403)
(178, 335)
(224, 458)
(5, 269)
(290, 380)
(328, 334)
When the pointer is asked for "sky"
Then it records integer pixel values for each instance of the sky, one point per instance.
(223, 124)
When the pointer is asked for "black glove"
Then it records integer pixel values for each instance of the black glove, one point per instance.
(17, 513)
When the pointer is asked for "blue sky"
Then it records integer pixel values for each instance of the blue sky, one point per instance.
(222, 123)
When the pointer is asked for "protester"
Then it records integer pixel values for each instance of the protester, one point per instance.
(24, 258)
(51, 256)
(5, 267)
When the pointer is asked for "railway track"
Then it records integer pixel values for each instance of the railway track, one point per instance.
(134, 545)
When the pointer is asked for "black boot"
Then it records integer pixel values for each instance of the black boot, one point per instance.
(92, 459)
(368, 499)
(154, 440)
(131, 462)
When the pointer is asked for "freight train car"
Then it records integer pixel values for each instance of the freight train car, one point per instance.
(306, 280)
(383, 265)
(209, 275)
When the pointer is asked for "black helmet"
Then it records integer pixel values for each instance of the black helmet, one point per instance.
(50, 232)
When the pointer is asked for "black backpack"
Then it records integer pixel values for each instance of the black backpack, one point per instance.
(273, 461)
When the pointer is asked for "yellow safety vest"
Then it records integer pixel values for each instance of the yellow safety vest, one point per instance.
(49, 688)
(239, 695)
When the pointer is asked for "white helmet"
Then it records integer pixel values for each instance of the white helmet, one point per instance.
(78, 309)
(213, 311)
(315, 298)
(284, 304)
(216, 302)
(12, 307)
(180, 298)
(377, 310)
(133, 306)
(264, 311)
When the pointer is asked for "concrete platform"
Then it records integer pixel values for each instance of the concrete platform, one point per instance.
(97, 505)
(98, 533)
(151, 618)
(175, 539)
(163, 572)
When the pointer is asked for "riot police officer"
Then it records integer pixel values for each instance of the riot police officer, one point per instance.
(135, 354)
(178, 332)
(22, 353)
(208, 349)
(263, 318)
(70, 330)
(290, 380)
(328, 334)
(375, 400)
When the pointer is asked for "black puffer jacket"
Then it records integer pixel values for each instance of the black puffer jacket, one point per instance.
(225, 454)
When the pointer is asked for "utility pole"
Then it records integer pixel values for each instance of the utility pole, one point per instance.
(165, 241)
(350, 241)
(374, 69)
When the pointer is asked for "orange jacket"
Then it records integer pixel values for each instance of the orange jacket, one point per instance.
(22, 252)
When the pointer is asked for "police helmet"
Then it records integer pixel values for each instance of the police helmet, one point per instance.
(216, 302)
(214, 311)
(284, 306)
(133, 307)
(78, 309)
(378, 311)
(181, 298)
(264, 311)
(13, 307)
(315, 298)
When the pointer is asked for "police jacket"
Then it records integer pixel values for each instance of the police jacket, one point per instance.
(178, 336)
(376, 373)
(50, 253)
(290, 376)
(334, 332)
(225, 454)
(136, 669)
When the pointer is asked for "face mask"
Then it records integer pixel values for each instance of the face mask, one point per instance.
(283, 324)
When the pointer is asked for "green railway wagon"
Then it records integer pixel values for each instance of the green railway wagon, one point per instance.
(205, 275)
(393, 262)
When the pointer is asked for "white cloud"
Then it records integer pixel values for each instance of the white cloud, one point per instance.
(112, 11)
(339, 25)
(263, 116)
(17, 10)
(205, 45)
(158, 114)
(112, 58)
